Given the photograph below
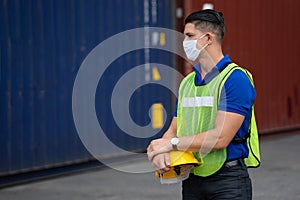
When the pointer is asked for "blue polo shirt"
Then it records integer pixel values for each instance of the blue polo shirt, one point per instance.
(239, 98)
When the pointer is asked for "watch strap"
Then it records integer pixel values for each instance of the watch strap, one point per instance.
(174, 146)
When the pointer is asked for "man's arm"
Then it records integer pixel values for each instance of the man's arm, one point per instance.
(226, 126)
(172, 131)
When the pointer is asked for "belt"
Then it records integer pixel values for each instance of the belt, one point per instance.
(232, 163)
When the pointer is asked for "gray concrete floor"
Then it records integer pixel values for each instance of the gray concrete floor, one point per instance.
(277, 178)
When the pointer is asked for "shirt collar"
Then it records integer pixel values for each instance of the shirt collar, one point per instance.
(211, 74)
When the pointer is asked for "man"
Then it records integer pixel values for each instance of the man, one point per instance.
(214, 117)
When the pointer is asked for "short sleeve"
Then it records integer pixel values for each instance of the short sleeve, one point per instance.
(238, 94)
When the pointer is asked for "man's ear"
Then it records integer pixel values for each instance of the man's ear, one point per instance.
(210, 38)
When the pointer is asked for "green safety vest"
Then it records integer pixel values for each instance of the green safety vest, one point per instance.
(197, 111)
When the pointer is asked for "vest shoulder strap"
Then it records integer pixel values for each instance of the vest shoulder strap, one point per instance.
(232, 67)
(251, 138)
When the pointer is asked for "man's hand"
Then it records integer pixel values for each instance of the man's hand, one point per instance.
(159, 146)
(158, 150)
(161, 162)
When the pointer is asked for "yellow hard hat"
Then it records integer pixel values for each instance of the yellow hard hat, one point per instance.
(181, 164)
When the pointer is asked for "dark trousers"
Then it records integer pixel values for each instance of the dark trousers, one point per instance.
(231, 183)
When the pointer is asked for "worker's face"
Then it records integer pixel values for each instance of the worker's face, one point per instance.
(192, 33)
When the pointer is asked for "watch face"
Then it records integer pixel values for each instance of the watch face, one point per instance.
(174, 141)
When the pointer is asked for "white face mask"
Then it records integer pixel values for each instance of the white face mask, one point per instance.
(190, 48)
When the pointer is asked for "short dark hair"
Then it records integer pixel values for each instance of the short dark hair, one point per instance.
(208, 20)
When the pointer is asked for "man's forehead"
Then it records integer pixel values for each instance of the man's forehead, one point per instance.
(190, 28)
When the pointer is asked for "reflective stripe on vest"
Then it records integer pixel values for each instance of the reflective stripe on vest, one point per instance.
(197, 111)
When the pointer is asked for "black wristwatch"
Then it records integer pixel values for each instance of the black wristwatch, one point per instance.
(174, 142)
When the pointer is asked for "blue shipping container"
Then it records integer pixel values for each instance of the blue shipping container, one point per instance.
(43, 44)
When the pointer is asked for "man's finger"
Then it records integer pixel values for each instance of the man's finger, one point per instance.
(167, 159)
(163, 170)
(151, 155)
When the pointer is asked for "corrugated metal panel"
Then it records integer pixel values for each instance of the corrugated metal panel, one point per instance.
(43, 44)
(263, 37)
